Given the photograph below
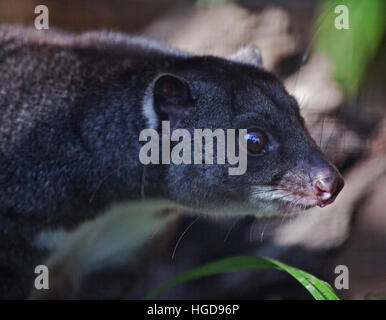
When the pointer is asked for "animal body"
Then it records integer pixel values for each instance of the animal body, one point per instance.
(72, 108)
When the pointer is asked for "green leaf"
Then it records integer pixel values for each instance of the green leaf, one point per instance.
(375, 296)
(351, 50)
(211, 3)
(319, 289)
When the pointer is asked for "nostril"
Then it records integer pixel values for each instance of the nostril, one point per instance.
(326, 181)
(326, 189)
(322, 190)
(323, 186)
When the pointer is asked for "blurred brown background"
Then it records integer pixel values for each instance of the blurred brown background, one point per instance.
(351, 131)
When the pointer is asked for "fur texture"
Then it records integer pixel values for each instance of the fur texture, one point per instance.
(72, 108)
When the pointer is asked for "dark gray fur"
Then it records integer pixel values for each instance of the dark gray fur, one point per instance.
(70, 117)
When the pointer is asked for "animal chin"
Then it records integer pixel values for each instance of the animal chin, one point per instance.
(295, 206)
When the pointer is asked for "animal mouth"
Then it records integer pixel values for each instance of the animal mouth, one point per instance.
(289, 201)
(301, 203)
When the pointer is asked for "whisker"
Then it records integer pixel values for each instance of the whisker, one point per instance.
(267, 191)
(182, 235)
(321, 133)
(262, 232)
(104, 179)
(230, 229)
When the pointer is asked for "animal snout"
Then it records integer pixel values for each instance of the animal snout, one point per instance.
(327, 182)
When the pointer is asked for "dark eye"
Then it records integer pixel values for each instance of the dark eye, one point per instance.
(256, 141)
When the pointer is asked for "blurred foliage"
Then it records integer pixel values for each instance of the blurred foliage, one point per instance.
(351, 50)
(319, 289)
(210, 3)
(375, 296)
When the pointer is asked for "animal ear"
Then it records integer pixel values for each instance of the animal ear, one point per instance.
(249, 54)
(170, 100)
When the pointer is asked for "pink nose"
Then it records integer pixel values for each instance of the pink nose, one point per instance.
(327, 184)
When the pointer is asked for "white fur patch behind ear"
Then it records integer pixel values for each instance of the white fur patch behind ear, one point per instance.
(148, 108)
(249, 54)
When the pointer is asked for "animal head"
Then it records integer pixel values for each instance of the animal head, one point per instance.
(286, 171)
